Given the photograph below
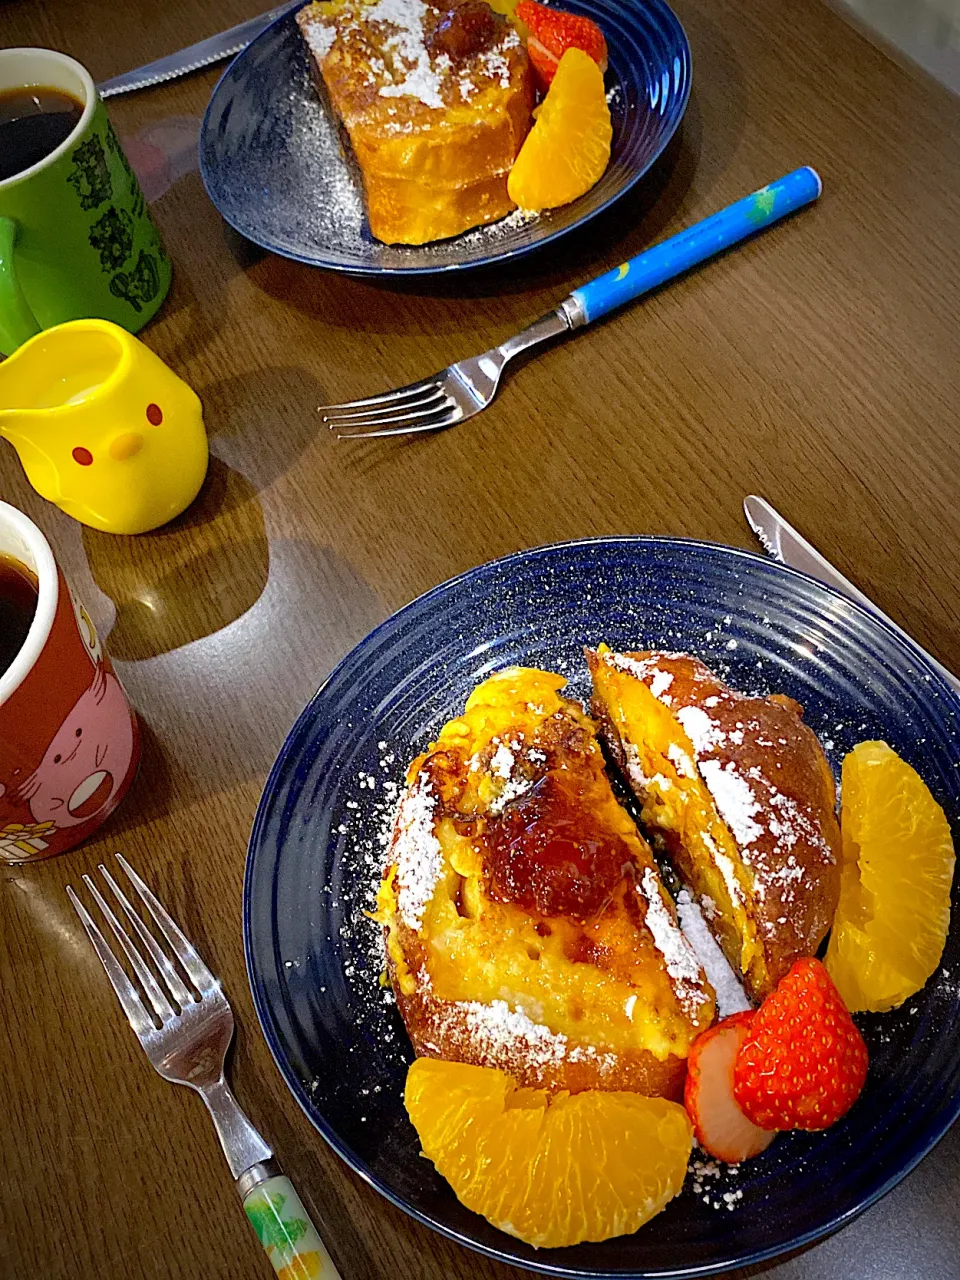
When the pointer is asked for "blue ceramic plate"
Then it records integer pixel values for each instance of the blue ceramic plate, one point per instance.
(272, 163)
(314, 852)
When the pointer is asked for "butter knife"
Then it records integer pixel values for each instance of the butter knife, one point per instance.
(780, 540)
(195, 56)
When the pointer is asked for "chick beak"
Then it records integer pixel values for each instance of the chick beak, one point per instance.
(125, 446)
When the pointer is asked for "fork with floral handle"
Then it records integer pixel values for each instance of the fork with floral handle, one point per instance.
(185, 1025)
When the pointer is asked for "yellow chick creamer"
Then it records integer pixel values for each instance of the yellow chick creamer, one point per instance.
(103, 427)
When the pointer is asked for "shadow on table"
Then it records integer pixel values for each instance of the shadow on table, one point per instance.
(216, 710)
(188, 579)
(188, 331)
(236, 410)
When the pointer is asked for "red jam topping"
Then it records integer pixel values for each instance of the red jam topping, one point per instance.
(548, 853)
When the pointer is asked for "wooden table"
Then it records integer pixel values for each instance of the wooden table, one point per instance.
(819, 365)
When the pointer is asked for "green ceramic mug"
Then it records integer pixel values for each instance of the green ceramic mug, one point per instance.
(76, 240)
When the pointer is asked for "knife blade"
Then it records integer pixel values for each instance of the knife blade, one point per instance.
(781, 541)
(202, 54)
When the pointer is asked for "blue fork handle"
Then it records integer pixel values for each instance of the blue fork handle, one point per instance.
(718, 232)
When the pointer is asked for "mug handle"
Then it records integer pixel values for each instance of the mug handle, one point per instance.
(16, 319)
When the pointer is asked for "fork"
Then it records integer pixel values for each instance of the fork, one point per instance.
(457, 393)
(185, 1029)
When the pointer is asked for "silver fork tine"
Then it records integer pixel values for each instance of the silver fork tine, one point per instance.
(374, 411)
(463, 389)
(398, 431)
(170, 975)
(390, 419)
(401, 393)
(182, 948)
(126, 992)
(190, 1048)
(162, 1006)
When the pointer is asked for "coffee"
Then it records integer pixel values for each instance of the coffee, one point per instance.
(34, 121)
(18, 604)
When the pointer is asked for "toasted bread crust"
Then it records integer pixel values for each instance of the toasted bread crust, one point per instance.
(434, 138)
(599, 994)
(764, 775)
(438, 1029)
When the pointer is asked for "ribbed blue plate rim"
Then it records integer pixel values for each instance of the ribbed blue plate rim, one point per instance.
(678, 108)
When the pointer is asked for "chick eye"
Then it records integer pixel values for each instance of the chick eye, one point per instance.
(154, 415)
(82, 455)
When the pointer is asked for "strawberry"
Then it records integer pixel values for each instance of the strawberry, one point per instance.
(720, 1126)
(552, 33)
(804, 1062)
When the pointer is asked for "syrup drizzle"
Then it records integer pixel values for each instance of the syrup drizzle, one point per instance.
(548, 853)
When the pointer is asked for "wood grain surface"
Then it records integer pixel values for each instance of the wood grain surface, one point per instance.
(819, 365)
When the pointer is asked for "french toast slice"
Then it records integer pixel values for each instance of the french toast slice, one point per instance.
(740, 794)
(526, 926)
(436, 102)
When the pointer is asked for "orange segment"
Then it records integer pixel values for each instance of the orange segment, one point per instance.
(549, 1170)
(894, 910)
(568, 148)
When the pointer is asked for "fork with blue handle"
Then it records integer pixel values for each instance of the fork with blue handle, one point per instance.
(184, 1024)
(465, 388)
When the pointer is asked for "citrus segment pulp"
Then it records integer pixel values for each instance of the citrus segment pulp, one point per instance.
(568, 148)
(551, 1170)
(898, 859)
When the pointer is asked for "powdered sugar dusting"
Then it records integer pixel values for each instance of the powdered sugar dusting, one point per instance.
(503, 765)
(730, 994)
(725, 867)
(623, 662)
(646, 669)
(320, 37)
(661, 682)
(734, 798)
(632, 666)
(707, 1185)
(415, 74)
(681, 761)
(502, 761)
(499, 230)
(496, 66)
(678, 955)
(416, 852)
(637, 775)
(423, 80)
(514, 788)
(792, 825)
(497, 1028)
(700, 729)
(506, 1035)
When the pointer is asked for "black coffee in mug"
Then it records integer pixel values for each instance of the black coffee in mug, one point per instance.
(33, 122)
(18, 604)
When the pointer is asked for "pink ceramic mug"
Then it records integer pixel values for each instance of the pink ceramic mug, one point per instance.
(69, 742)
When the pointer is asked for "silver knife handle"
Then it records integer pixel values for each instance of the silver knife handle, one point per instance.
(195, 56)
